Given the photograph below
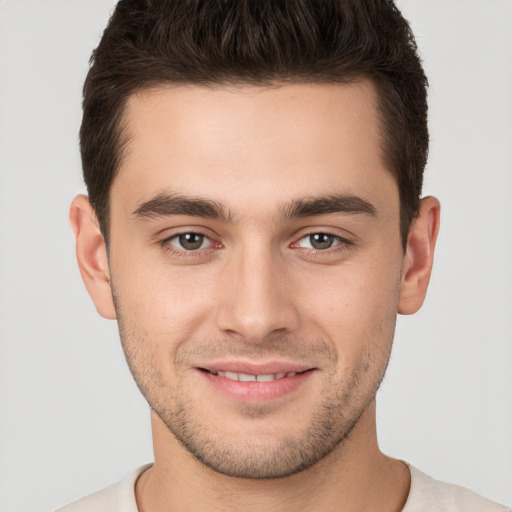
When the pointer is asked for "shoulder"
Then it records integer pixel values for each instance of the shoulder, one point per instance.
(119, 496)
(427, 494)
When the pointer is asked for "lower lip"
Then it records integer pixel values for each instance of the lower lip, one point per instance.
(257, 391)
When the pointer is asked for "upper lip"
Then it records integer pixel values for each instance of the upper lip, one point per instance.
(253, 368)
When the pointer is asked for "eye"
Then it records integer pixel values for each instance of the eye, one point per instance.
(319, 241)
(190, 241)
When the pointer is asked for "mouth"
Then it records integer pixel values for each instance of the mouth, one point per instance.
(247, 377)
(256, 383)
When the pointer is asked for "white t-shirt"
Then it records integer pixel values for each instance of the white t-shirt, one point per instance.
(425, 495)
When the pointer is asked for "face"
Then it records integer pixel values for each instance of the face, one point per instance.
(256, 265)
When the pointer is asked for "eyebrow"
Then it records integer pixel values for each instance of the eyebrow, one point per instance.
(325, 205)
(165, 205)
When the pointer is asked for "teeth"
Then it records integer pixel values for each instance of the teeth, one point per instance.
(266, 378)
(244, 377)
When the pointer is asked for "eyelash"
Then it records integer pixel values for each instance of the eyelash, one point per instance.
(165, 244)
(342, 244)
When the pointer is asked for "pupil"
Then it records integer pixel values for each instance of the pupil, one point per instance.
(321, 240)
(191, 241)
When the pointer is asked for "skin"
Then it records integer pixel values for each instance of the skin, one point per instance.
(258, 290)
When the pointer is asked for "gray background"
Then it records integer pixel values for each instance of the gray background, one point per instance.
(71, 419)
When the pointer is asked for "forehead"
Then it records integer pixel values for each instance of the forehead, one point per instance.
(259, 143)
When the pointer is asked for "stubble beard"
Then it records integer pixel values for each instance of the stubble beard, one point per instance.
(331, 420)
(244, 457)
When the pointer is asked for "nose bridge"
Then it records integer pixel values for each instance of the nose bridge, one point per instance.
(256, 304)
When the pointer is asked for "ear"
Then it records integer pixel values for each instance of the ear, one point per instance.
(419, 256)
(91, 253)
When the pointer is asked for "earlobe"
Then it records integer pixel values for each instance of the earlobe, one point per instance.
(419, 256)
(91, 253)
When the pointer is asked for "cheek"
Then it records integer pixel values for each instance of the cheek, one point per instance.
(159, 299)
(356, 306)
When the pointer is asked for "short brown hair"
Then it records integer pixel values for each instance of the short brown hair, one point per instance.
(259, 42)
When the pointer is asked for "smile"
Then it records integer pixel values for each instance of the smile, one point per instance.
(250, 384)
(245, 377)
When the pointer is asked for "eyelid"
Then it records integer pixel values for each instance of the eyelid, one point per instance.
(335, 233)
(342, 242)
(177, 236)
(339, 240)
(165, 244)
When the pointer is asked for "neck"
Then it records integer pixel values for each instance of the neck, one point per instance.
(354, 477)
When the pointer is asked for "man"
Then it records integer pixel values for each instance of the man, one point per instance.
(254, 224)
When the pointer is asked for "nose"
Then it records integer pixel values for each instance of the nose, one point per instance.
(257, 299)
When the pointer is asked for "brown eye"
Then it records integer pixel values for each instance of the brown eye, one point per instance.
(321, 241)
(190, 241)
